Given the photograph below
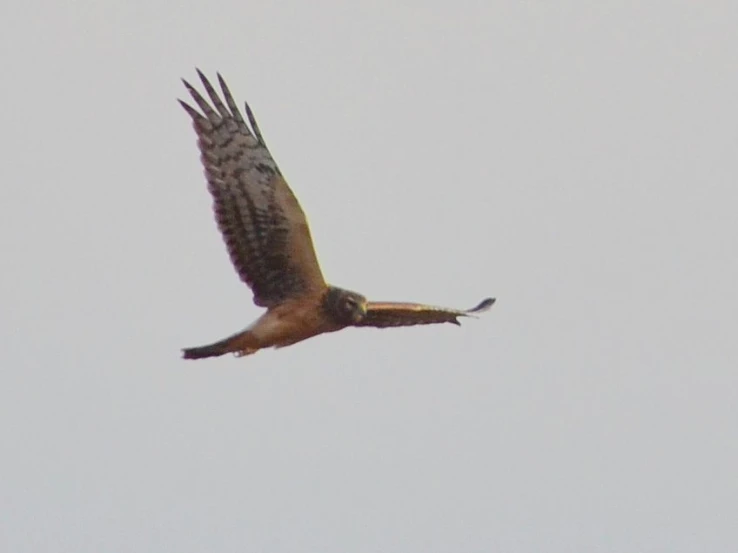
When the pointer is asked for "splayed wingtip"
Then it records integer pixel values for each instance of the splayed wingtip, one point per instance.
(483, 306)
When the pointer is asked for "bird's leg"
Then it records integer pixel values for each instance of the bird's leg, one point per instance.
(245, 351)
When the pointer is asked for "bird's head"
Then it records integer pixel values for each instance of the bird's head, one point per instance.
(344, 306)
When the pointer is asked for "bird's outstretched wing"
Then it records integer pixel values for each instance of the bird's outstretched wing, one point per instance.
(264, 227)
(388, 314)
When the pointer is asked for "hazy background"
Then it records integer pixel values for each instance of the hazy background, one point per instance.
(577, 160)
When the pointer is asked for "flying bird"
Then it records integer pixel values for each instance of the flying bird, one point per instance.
(268, 240)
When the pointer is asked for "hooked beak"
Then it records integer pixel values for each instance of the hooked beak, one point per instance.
(361, 313)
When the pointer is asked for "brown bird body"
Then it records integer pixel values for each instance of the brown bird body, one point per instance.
(268, 240)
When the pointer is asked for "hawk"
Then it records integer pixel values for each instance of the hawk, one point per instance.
(268, 240)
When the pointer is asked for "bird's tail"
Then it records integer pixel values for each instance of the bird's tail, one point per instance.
(241, 344)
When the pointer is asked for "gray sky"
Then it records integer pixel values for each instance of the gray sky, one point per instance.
(577, 160)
